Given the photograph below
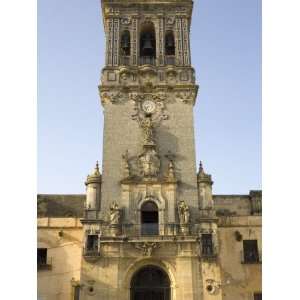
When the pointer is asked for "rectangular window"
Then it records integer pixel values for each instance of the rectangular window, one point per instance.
(251, 254)
(257, 296)
(207, 245)
(92, 242)
(43, 262)
(41, 256)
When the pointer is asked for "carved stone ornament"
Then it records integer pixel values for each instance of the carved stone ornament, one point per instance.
(90, 288)
(148, 134)
(186, 96)
(149, 104)
(125, 21)
(171, 20)
(150, 163)
(113, 97)
(170, 175)
(183, 213)
(147, 247)
(212, 286)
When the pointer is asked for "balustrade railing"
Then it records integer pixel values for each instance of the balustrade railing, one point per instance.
(149, 229)
(44, 263)
(124, 60)
(170, 60)
(251, 257)
(91, 251)
(147, 60)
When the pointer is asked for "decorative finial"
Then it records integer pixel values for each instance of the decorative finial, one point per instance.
(202, 176)
(201, 170)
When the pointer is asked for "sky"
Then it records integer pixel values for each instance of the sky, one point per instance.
(226, 54)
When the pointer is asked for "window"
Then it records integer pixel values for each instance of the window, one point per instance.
(92, 242)
(149, 218)
(43, 262)
(250, 251)
(41, 256)
(257, 296)
(207, 245)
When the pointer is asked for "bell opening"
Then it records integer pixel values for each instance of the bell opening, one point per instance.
(147, 41)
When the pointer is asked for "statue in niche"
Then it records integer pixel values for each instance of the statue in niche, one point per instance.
(150, 163)
(183, 212)
(115, 214)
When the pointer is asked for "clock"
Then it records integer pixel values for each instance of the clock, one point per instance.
(148, 106)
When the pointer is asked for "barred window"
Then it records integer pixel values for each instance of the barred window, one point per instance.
(41, 256)
(207, 244)
(250, 251)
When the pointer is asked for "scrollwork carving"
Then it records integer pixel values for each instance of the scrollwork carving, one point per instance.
(113, 97)
(157, 115)
(186, 96)
(125, 21)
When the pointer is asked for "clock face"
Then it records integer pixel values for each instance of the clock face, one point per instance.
(148, 106)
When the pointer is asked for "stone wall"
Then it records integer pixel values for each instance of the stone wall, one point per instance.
(63, 239)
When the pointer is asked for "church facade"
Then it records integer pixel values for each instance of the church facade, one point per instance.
(149, 226)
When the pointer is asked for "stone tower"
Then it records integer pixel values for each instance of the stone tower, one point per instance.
(150, 230)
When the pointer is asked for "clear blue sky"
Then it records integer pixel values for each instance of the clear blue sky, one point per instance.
(226, 53)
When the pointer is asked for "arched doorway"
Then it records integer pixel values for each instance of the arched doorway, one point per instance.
(150, 283)
(149, 218)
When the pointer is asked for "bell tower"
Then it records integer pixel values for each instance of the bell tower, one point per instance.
(149, 212)
(148, 78)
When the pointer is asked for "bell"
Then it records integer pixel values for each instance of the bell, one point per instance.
(125, 42)
(169, 42)
(147, 45)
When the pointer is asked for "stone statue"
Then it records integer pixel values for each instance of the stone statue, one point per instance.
(115, 214)
(150, 163)
(183, 212)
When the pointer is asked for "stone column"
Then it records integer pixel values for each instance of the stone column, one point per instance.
(186, 42)
(178, 41)
(160, 37)
(116, 38)
(109, 41)
(135, 40)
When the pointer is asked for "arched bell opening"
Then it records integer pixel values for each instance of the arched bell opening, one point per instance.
(150, 283)
(125, 48)
(147, 44)
(169, 43)
(170, 48)
(149, 218)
